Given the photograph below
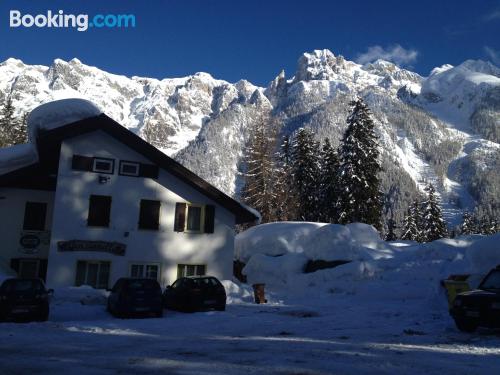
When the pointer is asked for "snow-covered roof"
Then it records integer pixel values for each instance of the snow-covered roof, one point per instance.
(58, 113)
(16, 157)
(47, 116)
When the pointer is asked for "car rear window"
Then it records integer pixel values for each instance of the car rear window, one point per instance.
(492, 281)
(143, 285)
(21, 285)
(206, 282)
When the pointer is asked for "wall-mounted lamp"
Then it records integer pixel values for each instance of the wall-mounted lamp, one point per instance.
(103, 179)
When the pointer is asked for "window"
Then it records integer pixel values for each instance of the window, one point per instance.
(194, 218)
(145, 271)
(103, 165)
(34, 216)
(149, 214)
(185, 270)
(92, 273)
(128, 168)
(99, 211)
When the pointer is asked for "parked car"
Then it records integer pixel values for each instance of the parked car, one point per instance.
(132, 297)
(26, 299)
(480, 307)
(195, 294)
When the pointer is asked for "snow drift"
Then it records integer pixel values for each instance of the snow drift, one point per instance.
(277, 253)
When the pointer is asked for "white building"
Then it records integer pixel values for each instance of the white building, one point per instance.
(97, 203)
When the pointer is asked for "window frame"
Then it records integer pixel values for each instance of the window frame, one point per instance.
(38, 204)
(109, 212)
(202, 218)
(99, 263)
(159, 215)
(144, 268)
(127, 162)
(98, 160)
(185, 267)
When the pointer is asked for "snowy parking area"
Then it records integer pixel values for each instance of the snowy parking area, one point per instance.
(337, 333)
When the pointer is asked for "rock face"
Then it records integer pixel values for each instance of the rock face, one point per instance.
(442, 129)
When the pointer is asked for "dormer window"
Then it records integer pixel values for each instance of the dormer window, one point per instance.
(129, 168)
(103, 165)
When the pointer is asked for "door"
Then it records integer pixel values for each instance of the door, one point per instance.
(28, 268)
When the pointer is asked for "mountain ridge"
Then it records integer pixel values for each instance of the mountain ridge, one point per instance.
(442, 128)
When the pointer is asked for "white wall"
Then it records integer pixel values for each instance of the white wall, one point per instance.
(165, 246)
(12, 204)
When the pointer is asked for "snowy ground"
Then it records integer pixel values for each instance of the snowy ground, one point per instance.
(347, 333)
(383, 313)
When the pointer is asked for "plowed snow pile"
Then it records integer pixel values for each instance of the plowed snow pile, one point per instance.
(276, 254)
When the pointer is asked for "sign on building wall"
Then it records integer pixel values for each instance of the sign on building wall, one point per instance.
(115, 248)
(34, 241)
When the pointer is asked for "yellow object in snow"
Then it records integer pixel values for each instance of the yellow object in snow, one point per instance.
(455, 284)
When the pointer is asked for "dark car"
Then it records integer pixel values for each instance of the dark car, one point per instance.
(480, 307)
(133, 297)
(26, 299)
(195, 294)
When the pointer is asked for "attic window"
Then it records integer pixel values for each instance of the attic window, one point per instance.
(128, 168)
(102, 165)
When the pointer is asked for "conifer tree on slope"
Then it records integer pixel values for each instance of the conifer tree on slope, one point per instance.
(305, 172)
(412, 223)
(286, 198)
(359, 199)
(19, 131)
(468, 225)
(258, 190)
(434, 226)
(11, 129)
(328, 183)
(391, 228)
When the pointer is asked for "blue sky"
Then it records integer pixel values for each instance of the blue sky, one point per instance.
(256, 39)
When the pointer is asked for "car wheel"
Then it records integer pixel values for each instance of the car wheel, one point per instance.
(466, 325)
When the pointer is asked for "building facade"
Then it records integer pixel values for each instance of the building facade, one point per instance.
(100, 203)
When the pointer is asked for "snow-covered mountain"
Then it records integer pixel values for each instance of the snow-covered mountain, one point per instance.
(442, 128)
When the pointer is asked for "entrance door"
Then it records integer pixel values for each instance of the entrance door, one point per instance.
(28, 268)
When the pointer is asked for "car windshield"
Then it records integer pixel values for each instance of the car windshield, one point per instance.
(22, 286)
(492, 281)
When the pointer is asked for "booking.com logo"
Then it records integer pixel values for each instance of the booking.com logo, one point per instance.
(80, 22)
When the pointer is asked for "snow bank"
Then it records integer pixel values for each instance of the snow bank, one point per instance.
(16, 157)
(316, 241)
(403, 269)
(58, 113)
(272, 239)
(85, 295)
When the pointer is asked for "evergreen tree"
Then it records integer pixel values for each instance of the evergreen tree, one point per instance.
(468, 226)
(305, 172)
(286, 206)
(8, 123)
(328, 183)
(359, 199)
(412, 223)
(19, 131)
(391, 228)
(434, 226)
(259, 190)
